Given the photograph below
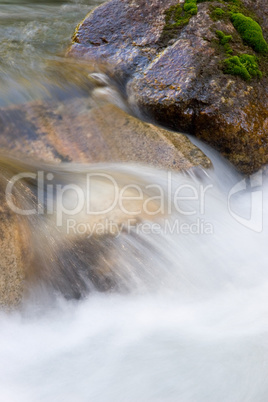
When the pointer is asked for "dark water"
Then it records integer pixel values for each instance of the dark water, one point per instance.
(34, 36)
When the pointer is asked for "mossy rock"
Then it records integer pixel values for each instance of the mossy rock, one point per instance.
(250, 32)
(175, 66)
(218, 13)
(190, 7)
(245, 66)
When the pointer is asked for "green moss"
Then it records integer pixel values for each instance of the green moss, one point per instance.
(251, 64)
(177, 17)
(245, 66)
(250, 32)
(224, 41)
(228, 50)
(234, 3)
(173, 14)
(174, 18)
(190, 7)
(218, 13)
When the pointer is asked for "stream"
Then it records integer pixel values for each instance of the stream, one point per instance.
(185, 317)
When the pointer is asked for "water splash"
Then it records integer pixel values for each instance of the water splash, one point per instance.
(192, 325)
(184, 312)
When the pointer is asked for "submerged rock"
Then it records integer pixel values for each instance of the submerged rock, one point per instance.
(13, 254)
(34, 249)
(172, 67)
(75, 132)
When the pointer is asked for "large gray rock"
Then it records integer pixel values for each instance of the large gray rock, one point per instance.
(123, 34)
(177, 79)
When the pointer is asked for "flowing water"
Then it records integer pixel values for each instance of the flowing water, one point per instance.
(185, 315)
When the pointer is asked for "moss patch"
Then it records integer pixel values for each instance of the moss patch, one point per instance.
(176, 17)
(173, 15)
(250, 32)
(174, 20)
(224, 41)
(190, 7)
(218, 13)
(245, 66)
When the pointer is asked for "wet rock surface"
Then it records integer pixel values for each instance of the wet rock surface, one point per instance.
(13, 254)
(72, 132)
(179, 81)
(123, 33)
(93, 135)
(260, 7)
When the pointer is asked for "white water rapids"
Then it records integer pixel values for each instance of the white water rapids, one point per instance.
(188, 321)
(193, 328)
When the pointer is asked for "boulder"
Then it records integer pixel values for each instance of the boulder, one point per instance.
(76, 131)
(123, 34)
(174, 74)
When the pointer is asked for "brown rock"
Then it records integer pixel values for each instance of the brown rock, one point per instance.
(196, 97)
(101, 134)
(123, 33)
(13, 257)
(177, 79)
(79, 133)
